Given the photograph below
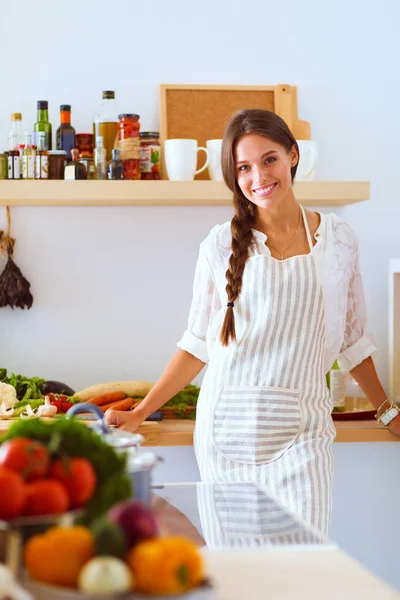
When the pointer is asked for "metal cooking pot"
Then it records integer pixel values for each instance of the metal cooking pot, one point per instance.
(140, 464)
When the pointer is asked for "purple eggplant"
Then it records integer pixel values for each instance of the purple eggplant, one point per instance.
(56, 387)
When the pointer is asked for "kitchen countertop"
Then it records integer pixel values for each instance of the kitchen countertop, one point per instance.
(256, 548)
(179, 432)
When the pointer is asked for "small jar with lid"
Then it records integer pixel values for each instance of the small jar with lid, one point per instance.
(128, 144)
(57, 162)
(149, 155)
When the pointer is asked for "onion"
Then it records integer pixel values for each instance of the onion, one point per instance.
(105, 575)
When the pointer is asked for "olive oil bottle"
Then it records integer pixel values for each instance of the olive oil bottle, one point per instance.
(43, 124)
(336, 382)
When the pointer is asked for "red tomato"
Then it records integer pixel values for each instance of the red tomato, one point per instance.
(28, 457)
(12, 494)
(79, 478)
(57, 404)
(46, 497)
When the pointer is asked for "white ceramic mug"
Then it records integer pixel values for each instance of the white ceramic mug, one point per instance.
(308, 160)
(181, 159)
(214, 167)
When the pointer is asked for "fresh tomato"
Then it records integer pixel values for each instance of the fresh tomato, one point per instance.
(28, 457)
(51, 397)
(12, 494)
(62, 406)
(57, 404)
(46, 497)
(78, 476)
(60, 401)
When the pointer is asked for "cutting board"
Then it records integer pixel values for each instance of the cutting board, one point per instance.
(149, 429)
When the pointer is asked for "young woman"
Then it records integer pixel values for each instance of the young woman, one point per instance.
(277, 298)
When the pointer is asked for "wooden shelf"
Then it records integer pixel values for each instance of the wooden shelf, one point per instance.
(164, 193)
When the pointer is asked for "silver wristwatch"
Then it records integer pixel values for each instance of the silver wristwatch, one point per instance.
(387, 412)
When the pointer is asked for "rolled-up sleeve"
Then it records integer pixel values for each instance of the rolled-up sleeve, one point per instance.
(358, 344)
(205, 304)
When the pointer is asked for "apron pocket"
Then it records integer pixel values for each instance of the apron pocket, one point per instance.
(256, 425)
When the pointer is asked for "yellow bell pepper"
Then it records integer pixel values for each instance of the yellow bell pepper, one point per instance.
(166, 565)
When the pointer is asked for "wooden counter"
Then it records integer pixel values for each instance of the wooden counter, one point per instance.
(179, 432)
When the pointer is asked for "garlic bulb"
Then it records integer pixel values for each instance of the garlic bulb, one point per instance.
(29, 412)
(5, 413)
(47, 409)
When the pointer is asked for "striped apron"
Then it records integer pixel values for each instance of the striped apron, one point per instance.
(241, 515)
(264, 411)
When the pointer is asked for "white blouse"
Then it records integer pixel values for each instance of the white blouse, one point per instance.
(336, 254)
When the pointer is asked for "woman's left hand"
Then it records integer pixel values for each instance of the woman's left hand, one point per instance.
(394, 425)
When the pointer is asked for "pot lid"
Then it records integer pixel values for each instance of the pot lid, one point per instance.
(122, 439)
(142, 461)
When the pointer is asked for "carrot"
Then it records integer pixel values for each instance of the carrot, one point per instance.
(120, 405)
(107, 398)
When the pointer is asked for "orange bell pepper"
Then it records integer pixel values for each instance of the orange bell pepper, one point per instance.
(57, 556)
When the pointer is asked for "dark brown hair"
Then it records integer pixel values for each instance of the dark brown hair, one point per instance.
(243, 122)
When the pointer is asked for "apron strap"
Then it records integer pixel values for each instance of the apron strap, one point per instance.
(307, 229)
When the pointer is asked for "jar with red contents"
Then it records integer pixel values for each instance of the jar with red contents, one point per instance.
(128, 144)
(149, 155)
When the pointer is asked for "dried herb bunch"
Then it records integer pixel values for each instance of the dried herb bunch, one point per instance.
(14, 288)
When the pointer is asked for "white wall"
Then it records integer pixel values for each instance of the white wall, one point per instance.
(112, 286)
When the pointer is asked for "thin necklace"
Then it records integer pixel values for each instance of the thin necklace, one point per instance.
(294, 237)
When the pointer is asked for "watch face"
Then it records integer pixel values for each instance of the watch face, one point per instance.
(389, 415)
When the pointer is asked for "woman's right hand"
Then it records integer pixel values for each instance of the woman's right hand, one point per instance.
(123, 419)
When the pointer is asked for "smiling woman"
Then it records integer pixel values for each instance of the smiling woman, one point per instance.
(277, 297)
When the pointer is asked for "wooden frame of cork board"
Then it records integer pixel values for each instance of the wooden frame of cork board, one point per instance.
(201, 112)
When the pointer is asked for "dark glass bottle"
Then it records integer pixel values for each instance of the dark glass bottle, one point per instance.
(115, 168)
(75, 169)
(43, 124)
(65, 134)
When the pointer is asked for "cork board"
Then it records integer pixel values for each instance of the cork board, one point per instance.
(201, 112)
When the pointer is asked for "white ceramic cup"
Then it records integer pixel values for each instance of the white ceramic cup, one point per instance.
(214, 167)
(181, 159)
(308, 160)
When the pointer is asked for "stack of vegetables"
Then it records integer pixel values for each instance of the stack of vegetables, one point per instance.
(26, 397)
(126, 395)
(48, 468)
(118, 553)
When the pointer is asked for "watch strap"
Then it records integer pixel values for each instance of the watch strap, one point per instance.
(386, 412)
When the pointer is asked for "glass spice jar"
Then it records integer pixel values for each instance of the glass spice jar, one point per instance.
(84, 142)
(128, 144)
(3, 166)
(57, 162)
(149, 155)
(87, 159)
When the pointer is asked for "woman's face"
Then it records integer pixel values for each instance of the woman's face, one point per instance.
(263, 169)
